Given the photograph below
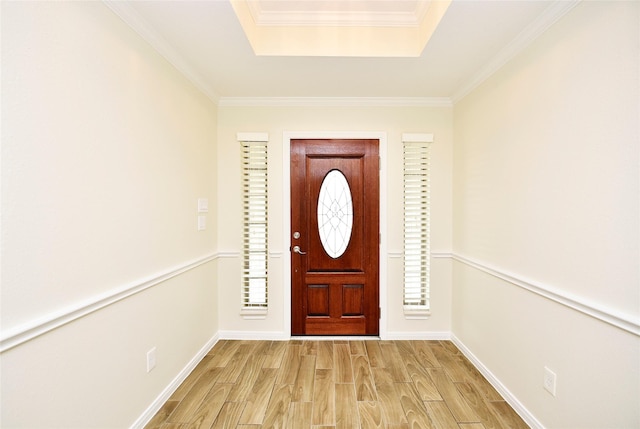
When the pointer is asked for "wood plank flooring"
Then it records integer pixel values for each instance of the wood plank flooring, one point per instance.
(336, 384)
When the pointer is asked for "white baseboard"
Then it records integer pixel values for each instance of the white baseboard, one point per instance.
(281, 336)
(504, 392)
(417, 336)
(254, 335)
(335, 338)
(173, 386)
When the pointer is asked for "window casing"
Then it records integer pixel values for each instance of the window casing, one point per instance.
(255, 224)
(417, 252)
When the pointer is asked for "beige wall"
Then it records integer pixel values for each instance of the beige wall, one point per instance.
(546, 168)
(105, 150)
(392, 121)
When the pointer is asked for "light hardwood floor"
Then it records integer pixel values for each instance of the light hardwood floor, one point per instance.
(336, 384)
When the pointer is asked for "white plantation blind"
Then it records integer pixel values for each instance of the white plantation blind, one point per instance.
(254, 233)
(416, 224)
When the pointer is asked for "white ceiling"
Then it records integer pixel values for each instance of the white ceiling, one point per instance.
(205, 40)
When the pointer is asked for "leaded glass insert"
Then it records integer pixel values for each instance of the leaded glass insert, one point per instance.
(335, 213)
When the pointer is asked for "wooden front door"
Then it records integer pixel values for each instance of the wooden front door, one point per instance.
(335, 193)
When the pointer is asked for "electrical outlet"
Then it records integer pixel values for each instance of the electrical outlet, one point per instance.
(549, 381)
(151, 359)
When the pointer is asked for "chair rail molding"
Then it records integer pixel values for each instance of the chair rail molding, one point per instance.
(611, 316)
(26, 332)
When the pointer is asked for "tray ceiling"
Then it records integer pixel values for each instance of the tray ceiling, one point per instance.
(206, 41)
(351, 28)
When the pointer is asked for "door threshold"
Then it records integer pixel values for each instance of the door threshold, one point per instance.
(335, 338)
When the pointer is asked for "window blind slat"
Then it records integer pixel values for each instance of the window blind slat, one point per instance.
(416, 224)
(254, 230)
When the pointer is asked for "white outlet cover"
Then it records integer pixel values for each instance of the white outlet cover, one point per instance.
(151, 359)
(202, 223)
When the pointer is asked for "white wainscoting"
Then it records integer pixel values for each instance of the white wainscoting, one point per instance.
(613, 317)
(32, 329)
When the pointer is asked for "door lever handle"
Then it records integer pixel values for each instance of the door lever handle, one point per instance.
(296, 249)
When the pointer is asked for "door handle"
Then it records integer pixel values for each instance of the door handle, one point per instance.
(296, 249)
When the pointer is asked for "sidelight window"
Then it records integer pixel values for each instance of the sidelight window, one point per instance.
(416, 224)
(254, 229)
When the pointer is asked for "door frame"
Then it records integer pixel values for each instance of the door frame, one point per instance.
(287, 136)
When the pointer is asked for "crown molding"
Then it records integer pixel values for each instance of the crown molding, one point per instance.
(547, 18)
(334, 19)
(335, 102)
(346, 17)
(138, 24)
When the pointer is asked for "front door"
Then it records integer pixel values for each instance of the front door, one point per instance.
(335, 237)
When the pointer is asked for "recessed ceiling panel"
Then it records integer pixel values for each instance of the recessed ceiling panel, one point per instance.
(354, 28)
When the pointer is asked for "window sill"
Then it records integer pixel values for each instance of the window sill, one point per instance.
(256, 313)
(414, 312)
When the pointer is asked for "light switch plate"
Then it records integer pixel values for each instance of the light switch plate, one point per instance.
(203, 205)
(202, 223)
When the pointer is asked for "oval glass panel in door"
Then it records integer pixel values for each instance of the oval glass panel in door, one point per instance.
(335, 213)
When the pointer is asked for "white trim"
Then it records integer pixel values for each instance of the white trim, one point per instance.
(21, 334)
(549, 16)
(613, 317)
(335, 102)
(429, 336)
(155, 406)
(252, 137)
(254, 313)
(287, 136)
(417, 138)
(345, 17)
(416, 312)
(254, 335)
(281, 336)
(227, 255)
(138, 24)
(336, 338)
(501, 388)
(441, 255)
